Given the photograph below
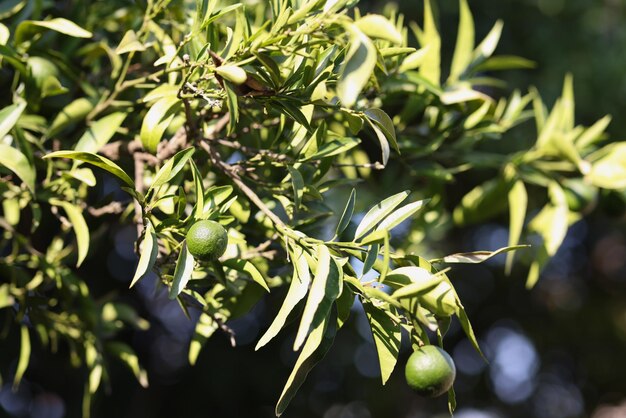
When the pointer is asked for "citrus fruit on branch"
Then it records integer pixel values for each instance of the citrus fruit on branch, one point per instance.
(430, 371)
(207, 240)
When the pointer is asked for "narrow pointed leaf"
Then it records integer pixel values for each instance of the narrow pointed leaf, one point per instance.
(518, 202)
(400, 215)
(378, 213)
(464, 42)
(24, 358)
(149, 251)
(346, 217)
(317, 345)
(14, 160)
(387, 338)
(81, 230)
(96, 160)
(171, 168)
(9, 117)
(297, 291)
(357, 68)
(250, 269)
(476, 257)
(182, 272)
(324, 290)
(100, 132)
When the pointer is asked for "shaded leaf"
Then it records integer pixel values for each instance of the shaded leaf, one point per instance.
(81, 230)
(346, 216)
(149, 251)
(387, 338)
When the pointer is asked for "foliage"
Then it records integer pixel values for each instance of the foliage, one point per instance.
(252, 116)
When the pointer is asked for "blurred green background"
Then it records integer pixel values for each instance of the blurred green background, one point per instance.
(556, 351)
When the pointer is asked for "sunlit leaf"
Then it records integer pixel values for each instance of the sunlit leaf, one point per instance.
(297, 291)
(96, 160)
(324, 290)
(182, 272)
(100, 132)
(14, 160)
(357, 67)
(378, 213)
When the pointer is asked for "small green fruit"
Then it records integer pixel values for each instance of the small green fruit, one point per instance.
(430, 371)
(207, 240)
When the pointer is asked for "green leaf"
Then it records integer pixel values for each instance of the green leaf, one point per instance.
(9, 116)
(247, 267)
(413, 60)
(24, 359)
(518, 202)
(464, 42)
(233, 106)
(81, 230)
(324, 290)
(469, 331)
(205, 328)
(182, 272)
(100, 132)
(378, 213)
(157, 120)
(412, 281)
(74, 112)
(370, 258)
(197, 181)
(232, 73)
(486, 48)
(377, 26)
(149, 252)
(401, 214)
(334, 147)
(6, 299)
(14, 160)
(608, 167)
(431, 66)
(476, 257)
(126, 354)
(593, 133)
(387, 338)
(346, 216)
(317, 345)
(171, 168)
(297, 291)
(385, 123)
(97, 160)
(297, 182)
(129, 43)
(482, 202)
(27, 28)
(357, 67)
